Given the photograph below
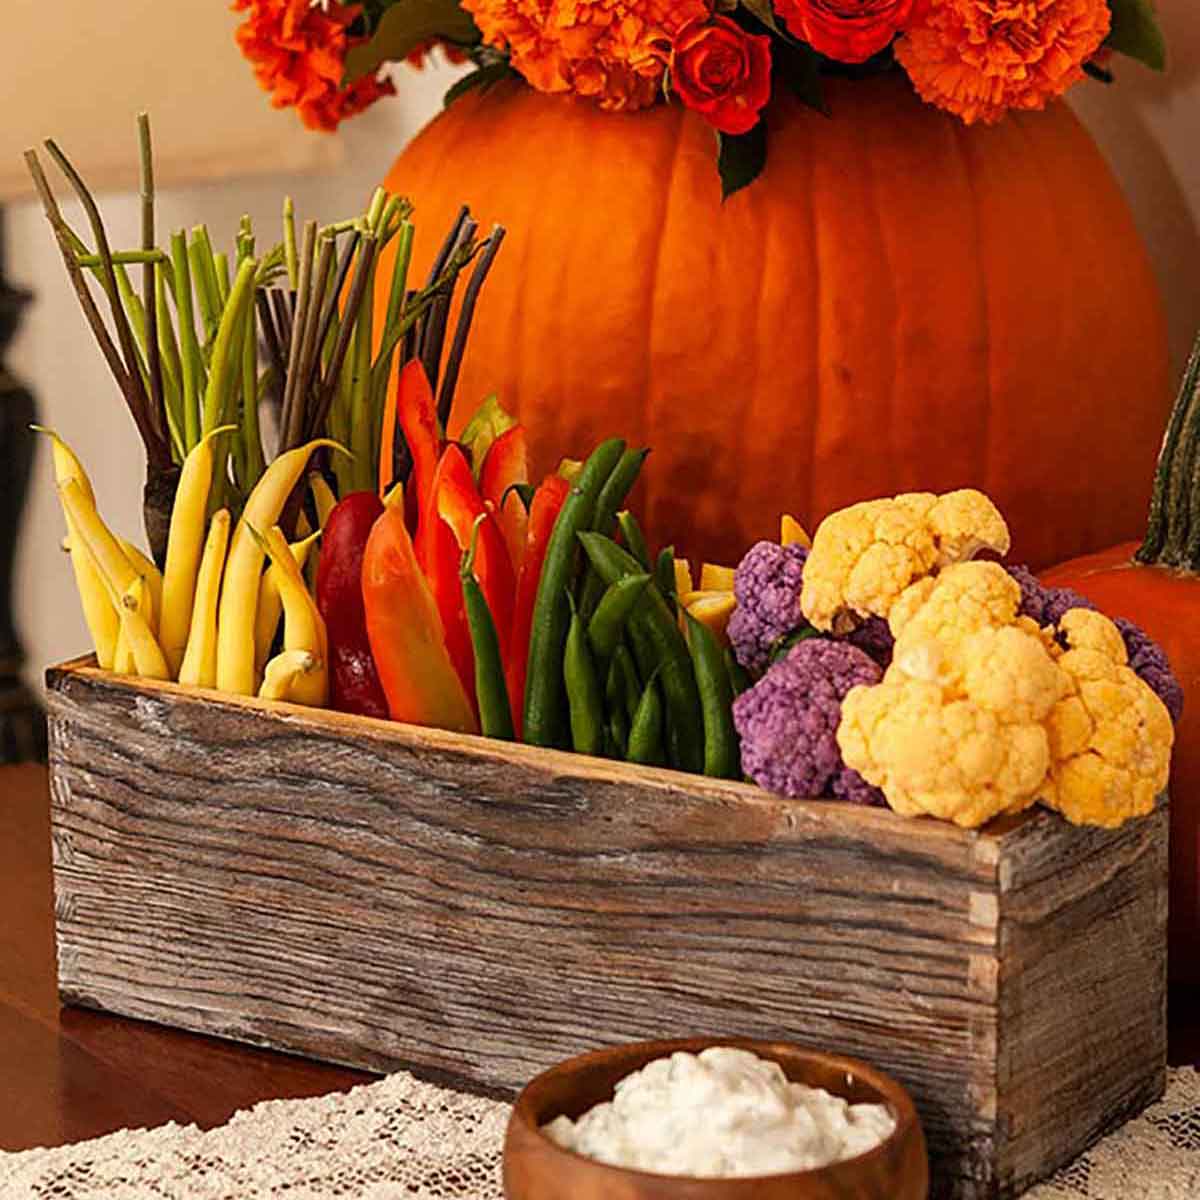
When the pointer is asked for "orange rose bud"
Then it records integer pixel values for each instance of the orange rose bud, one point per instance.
(849, 31)
(722, 72)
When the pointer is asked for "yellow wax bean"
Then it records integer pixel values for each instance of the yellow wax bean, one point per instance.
(323, 496)
(106, 551)
(185, 544)
(270, 606)
(303, 626)
(285, 675)
(154, 583)
(98, 612)
(123, 663)
(239, 591)
(199, 666)
(148, 659)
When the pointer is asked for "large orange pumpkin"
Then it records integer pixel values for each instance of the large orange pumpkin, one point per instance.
(897, 303)
(1160, 590)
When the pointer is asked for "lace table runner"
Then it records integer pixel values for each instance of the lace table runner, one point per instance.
(401, 1138)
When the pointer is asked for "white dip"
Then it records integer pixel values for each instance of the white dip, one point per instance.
(725, 1112)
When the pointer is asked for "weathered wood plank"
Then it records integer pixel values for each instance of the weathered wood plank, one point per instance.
(383, 896)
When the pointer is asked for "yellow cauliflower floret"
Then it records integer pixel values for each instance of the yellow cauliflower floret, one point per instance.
(957, 727)
(1111, 736)
(863, 557)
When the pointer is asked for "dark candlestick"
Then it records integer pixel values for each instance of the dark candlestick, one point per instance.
(22, 720)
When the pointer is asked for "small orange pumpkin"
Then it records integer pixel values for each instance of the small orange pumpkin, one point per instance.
(1157, 584)
(898, 303)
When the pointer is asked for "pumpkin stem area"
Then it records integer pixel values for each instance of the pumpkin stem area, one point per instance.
(1173, 529)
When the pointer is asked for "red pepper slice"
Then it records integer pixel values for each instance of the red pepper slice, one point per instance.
(547, 502)
(507, 463)
(354, 681)
(459, 504)
(416, 412)
(406, 634)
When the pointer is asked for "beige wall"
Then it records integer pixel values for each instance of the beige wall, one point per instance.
(1149, 127)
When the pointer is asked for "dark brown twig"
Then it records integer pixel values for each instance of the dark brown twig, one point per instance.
(354, 302)
(158, 451)
(463, 328)
(149, 286)
(291, 416)
(345, 262)
(439, 312)
(310, 354)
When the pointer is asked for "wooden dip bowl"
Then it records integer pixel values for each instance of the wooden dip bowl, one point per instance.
(536, 1168)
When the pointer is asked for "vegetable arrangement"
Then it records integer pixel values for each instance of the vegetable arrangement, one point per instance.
(378, 565)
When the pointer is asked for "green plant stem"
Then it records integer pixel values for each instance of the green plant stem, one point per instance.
(123, 258)
(251, 434)
(364, 438)
(291, 398)
(289, 243)
(228, 347)
(204, 277)
(168, 349)
(149, 273)
(190, 357)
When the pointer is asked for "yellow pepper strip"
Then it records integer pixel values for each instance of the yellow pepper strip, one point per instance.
(285, 675)
(98, 611)
(716, 579)
(792, 533)
(185, 544)
(153, 579)
(322, 495)
(303, 625)
(712, 609)
(270, 606)
(199, 666)
(239, 592)
(148, 659)
(683, 577)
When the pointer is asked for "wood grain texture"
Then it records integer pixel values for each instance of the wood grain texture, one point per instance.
(382, 896)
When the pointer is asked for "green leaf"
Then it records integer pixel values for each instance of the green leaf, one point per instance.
(741, 158)
(762, 12)
(1136, 33)
(482, 78)
(800, 67)
(403, 28)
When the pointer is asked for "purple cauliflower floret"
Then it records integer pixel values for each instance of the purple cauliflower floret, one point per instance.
(788, 722)
(1046, 605)
(875, 638)
(767, 589)
(1149, 661)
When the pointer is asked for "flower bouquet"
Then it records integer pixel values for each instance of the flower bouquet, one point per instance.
(973, 58)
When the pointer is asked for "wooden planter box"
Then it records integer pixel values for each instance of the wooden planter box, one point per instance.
(384, 896)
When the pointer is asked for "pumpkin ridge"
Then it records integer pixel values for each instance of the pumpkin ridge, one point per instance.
(984, 427)
(648, 434)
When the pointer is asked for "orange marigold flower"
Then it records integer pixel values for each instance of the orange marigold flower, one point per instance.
(298, 49)
(614, 51)
(980, 58)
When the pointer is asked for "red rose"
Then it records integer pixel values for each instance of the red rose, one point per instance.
(722, 72)
(849, 31)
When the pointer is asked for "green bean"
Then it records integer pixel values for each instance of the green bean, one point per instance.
(551, 615)
(739, 677)
(634, 539)
(722, 759)
(646, 732)
(491, 691)
(657, 645)
(583, 688)
(664, 573)
(608, 621)
(618, 732)
(627, 687)
(612, 496)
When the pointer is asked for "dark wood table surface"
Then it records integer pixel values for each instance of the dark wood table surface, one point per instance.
(70, 1074)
